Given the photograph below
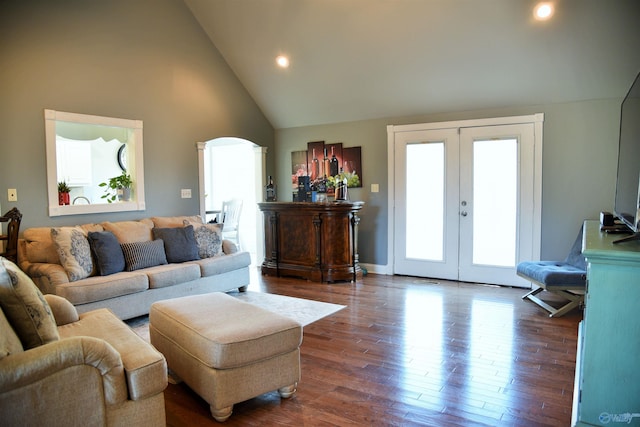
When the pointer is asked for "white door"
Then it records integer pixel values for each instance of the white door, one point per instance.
(426, 191)
(465, 202)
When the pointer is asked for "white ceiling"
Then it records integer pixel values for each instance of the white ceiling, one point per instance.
(366, 59)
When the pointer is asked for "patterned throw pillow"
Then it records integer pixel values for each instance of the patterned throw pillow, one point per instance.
(25, 307)
(209, 239)
(139, 255)
(74, 251)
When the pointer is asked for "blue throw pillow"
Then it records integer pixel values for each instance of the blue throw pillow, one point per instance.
(179, 243)
(107, 252)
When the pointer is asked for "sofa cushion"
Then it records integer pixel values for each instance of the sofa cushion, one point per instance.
(223, 264)
(145, 368)
(130, 231)
(107, 252)
(171, 274)
(9, 341)
(174, 221)
(208, 238)
(25, 307)
(139, 255)
(74, 251)
(179, 243)
(99, 288)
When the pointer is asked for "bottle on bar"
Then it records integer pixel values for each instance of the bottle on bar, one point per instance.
(333, 167)
(270, 191)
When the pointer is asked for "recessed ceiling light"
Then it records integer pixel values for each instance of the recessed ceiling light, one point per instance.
(282, 61)
(543, 11)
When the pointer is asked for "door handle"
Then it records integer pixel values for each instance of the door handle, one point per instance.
(463, 213)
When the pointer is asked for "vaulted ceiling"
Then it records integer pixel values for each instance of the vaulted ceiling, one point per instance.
(365, 59)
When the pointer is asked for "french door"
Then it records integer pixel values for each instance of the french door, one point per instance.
(466, 202)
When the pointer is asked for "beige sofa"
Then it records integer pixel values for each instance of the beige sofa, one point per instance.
(58, 368)
(59, 262)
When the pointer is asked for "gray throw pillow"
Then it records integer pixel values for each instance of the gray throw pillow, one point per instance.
(107, 252)
(179, 243)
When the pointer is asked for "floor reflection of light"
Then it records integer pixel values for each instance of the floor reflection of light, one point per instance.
(490, 357)
(422, 370)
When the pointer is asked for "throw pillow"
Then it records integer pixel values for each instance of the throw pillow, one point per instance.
(179, 243)
(25, 307)
(107, 252)
(74, 251)
(139, 255)
(208, 238)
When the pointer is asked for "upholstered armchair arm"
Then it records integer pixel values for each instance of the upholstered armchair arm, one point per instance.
(228, 247)
(40, 370)
(63, 311)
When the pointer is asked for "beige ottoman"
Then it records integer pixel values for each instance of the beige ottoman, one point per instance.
(226, 350)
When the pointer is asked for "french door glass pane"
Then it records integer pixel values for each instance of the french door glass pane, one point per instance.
(495, 196)
(425, 201)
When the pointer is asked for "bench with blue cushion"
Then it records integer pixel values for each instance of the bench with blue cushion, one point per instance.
(566, 278)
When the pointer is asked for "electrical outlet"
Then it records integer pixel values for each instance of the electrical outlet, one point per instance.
(12, 195)
(185, 193)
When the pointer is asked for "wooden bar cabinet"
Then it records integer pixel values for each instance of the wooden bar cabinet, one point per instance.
(314, 241)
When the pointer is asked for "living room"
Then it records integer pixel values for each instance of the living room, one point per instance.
(154, 62)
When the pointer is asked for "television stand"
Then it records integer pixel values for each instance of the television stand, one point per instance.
(634, 236)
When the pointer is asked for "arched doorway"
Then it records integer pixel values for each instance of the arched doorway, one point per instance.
(232, 168)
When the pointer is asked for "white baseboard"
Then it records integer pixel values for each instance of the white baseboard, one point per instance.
(377, 269)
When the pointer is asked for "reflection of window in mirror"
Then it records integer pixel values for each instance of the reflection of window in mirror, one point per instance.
(84, 151)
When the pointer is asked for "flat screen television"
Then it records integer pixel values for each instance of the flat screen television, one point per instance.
(627, 203)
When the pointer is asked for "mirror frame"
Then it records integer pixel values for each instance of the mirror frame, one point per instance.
(51, 117)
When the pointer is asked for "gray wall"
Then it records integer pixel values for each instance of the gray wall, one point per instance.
(144, 60)
(579, 167)
(150, 60)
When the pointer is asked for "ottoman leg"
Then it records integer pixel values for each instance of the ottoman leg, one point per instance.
(288, 391)
(222, 414)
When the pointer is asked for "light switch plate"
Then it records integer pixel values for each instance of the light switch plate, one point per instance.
(12, 195)
(375, 188)
(185, 193)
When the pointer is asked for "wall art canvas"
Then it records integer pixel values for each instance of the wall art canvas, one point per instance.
(298, 167)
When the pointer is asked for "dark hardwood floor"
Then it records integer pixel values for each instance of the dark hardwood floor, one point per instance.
(413, 351)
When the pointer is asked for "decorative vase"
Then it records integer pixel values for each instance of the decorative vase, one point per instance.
(64, 199)
(124, 194)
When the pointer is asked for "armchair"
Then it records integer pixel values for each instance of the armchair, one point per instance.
(61, 368)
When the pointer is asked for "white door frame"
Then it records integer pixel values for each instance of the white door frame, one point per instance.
(260, 161)
(537, 120)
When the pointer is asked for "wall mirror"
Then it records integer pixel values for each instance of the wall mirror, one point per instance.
(84, 151)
